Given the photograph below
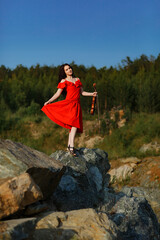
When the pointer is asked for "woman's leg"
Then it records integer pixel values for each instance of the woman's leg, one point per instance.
(71, 137)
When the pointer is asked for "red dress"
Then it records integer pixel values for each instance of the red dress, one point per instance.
(67, 113)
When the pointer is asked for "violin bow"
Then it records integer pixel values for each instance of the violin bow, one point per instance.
(93, 106)
(94, 99)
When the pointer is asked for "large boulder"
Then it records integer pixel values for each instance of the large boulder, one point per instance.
(16, 158)
(152, 195)
(82, 184)
(80, 224)
(127, 218)
(16, 193)
(17, 229)
(133, 216)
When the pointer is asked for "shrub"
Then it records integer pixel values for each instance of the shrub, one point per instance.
(126, 141)
(103, 127)
(34, 109)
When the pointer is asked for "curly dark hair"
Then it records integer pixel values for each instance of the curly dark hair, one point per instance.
(62, 74)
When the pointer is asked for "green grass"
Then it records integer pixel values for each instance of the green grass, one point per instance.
(36, 131)
(39, 132)
(126, 141)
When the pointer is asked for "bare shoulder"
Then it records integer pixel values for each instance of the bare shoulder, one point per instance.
(77, 79)
(63, 80)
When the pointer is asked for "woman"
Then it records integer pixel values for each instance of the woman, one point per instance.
(67, 113)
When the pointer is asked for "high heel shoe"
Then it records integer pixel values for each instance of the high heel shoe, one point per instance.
(68, 148)
(71, 150)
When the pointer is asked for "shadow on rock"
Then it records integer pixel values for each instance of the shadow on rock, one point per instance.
(54, 234)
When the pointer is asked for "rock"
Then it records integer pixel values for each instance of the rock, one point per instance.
(145, 178)
(16, 158)
(16, 193)
(150, 147)
(133, 216)
(121, 123)
(152, 195)
(35, 208)
(121, 173)
(130, 160)
(17, 229)
(147, 174)
(79, 224)
(46, 178)
(124, 171)
(82, 184)
(109, 200)
(93, 141)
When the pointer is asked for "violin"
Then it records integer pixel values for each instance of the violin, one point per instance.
(93, 101)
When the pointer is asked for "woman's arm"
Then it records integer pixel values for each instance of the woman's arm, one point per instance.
(92, 94)
(55, 96)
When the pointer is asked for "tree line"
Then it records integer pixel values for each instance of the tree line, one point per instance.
(133, 84)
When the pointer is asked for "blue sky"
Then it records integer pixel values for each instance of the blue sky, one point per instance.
(88, 32)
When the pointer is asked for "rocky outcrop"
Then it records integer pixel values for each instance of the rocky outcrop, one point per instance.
(16, 158)
(121, 216)
(16, 193)
(82, 206)
(143, 180)
(82, 184)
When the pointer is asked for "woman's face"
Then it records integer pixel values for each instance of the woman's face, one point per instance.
(68, 70)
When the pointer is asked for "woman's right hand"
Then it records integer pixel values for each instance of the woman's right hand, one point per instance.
(94, 94)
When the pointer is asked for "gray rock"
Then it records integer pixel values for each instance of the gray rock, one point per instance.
(96, 176)
(121, 173)
(152, 195)
(150, 147)
(68, 183)
(17, 229)
(109, 200)
(82, 184)
(133, 216)
(16, 158)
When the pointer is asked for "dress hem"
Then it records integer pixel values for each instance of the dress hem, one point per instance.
(67, 126)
